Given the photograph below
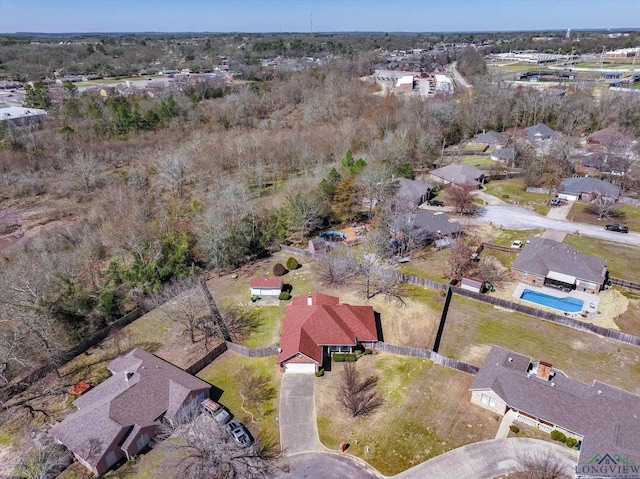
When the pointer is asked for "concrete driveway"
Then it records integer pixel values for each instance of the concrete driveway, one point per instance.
(487, 459)
(514, 217)
(298, 425)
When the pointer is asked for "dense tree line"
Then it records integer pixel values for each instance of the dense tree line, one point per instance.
(150, 190)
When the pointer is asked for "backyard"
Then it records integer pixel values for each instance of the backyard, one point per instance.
(472, 328)
(426, 412)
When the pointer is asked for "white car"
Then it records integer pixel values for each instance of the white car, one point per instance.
(516, 244)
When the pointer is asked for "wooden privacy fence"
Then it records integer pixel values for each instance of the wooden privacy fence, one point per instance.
(207, 359)
(521, 308)
(251, 352)
(624, 283)
(426, 354)
(555, 318)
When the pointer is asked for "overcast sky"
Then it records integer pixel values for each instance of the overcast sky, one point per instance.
(57, 16)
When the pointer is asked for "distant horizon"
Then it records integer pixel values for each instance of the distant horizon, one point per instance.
(311, 16)
(358, 32)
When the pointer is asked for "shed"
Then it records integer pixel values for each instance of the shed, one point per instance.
(265, 286)
(318, 246)
(472, 284)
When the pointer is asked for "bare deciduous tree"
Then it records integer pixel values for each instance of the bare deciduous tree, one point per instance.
(603, 208)
(543, 465)
(490, 270)
(357, 394)
(335, 268)
(42, 463)
(459, 196)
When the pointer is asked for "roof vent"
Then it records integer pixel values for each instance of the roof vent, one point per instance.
(309, 300)
(528, 375)
(599, 391)
(510, 360)
(553, 385)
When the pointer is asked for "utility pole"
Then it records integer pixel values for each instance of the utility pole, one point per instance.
(311, 23)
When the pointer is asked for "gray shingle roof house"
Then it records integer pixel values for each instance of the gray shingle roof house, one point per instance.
(545, 262)
(491, 138)
(507, 155)
(540, 131)
(415, 192)
(118, 418)
(423, 226)
(604, 418)
(458, 175)
(587, 188)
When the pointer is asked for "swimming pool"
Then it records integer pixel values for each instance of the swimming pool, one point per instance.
(570, 305)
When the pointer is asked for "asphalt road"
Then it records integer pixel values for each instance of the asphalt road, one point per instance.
(517, 218)
(459, 78)
(325, 465)
(487, 459)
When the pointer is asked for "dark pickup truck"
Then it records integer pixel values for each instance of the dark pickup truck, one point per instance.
(618, 228)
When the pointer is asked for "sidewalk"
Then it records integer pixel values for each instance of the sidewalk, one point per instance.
(507, 420)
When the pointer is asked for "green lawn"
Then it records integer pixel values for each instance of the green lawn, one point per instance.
(472, 328)
(623, 260)
(267, 332)
(475, 160)
(426, 413)
(630, 216)
(507, 236)
(430, 264)
(514, 191)
(515, 67)
(225, 373)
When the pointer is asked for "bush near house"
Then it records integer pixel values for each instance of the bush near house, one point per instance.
(558, 436)
(284, 296)
(279, 270)
(344, 357)
(571, 442)
(292, 264)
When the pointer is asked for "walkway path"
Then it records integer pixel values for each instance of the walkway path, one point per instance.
(560, 212)
(298, 424)
(507, 421)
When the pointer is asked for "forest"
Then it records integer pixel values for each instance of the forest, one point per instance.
(130, 193)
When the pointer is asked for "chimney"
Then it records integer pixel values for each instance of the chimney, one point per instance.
(544, 370)
(309, 300)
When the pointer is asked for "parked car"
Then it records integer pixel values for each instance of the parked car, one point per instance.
(216, 411)
(436, 203)
(617, 227)
(555, 201)
(516, 244)
(239, 433)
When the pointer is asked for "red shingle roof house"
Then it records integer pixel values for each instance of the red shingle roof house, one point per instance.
(317, 325)
(605, 419)
(118, 418)
(265, 286)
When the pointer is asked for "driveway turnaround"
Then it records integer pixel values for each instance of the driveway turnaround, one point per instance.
(298, 425)
(487, 459)
(324, 465)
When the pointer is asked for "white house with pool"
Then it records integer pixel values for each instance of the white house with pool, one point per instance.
(569, 278)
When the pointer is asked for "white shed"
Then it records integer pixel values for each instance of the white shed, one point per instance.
(471, 284)
(266, 286)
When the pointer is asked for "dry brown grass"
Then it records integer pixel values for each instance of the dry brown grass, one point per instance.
(426, 413)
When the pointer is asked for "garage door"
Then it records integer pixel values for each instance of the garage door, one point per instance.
(299, 368)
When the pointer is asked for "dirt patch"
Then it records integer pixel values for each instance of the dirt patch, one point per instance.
(629, 321)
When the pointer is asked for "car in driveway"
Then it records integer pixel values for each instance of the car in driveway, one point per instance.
(516, 244)
(617, 227)
(436, 203)
(216, 411)
(555, 201)
(239, 433)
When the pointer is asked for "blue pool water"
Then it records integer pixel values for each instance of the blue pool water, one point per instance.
(570, 305)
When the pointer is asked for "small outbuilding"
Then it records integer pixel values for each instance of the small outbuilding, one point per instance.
(318, 246)
(266, 286)
(472, 284)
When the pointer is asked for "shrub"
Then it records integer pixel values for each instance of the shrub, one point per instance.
(571, 442)
(279, 270)
(350, 358)
(320, 372)
(505, 197)
(292, 264)
(338, 358)
(558, 436)
(284, 296)
(368, 351)
(514, 429)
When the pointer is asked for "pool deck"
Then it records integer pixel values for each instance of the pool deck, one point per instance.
(590, 302)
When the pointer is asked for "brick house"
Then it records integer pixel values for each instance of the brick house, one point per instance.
(317, 325)
(545, 262)
(604, 419)
(118, 419)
